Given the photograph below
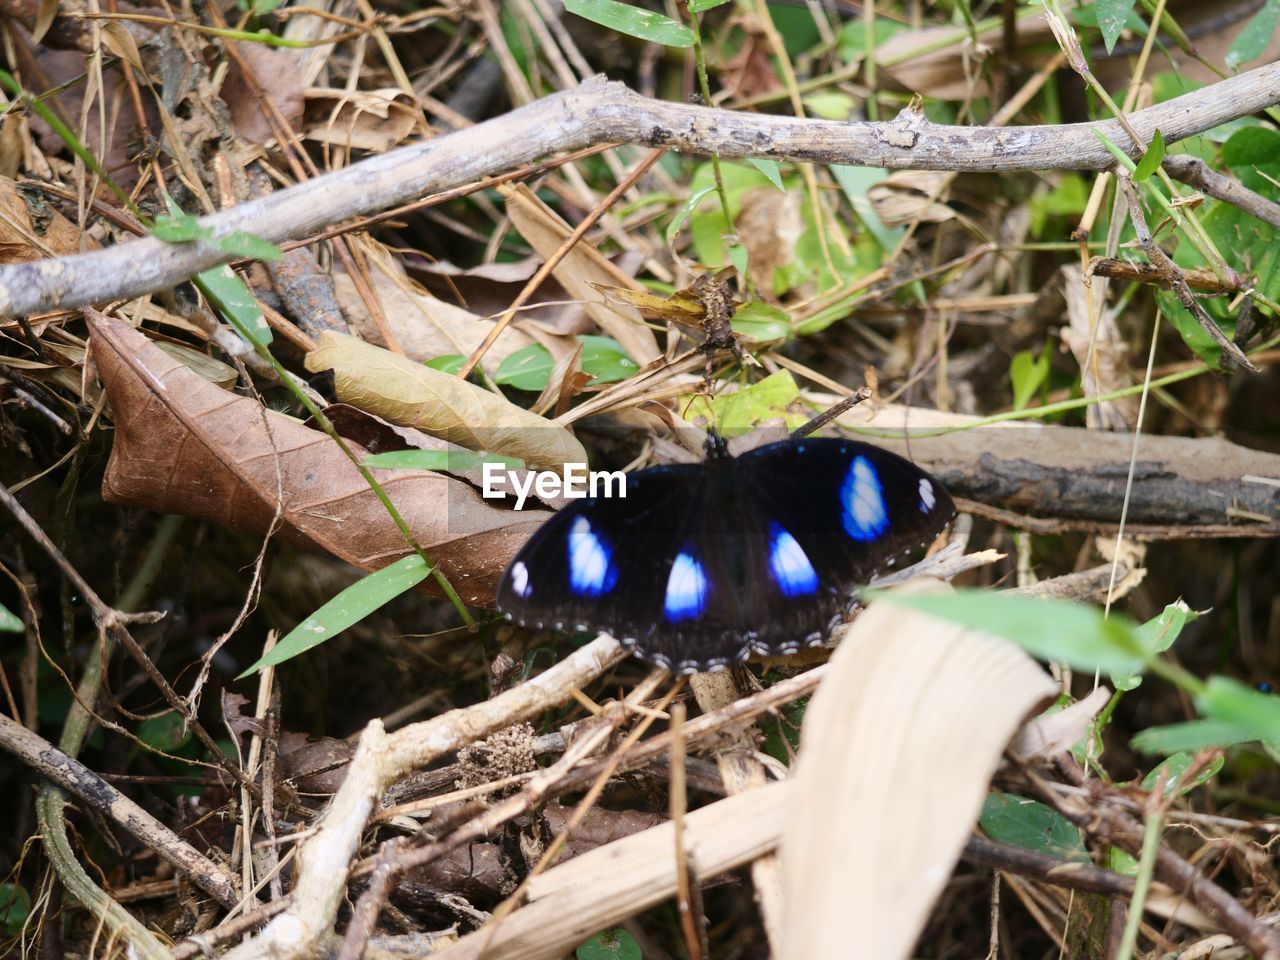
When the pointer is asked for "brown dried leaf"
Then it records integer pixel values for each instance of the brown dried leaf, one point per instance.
(583, 266)
(400, 390)
(910, 195)
(424, 326)
(182, 445)
(22, 240)
(275, 74)
(374, 120)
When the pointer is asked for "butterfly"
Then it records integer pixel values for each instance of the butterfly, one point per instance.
(698, 565)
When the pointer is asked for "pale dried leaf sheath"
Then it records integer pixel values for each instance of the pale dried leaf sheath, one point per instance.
(898, 749)
(409, 393)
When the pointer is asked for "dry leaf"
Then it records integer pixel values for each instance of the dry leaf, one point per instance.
(22, 240)
(583, 266)
(405, 392)
(182, 445)
(770, 225)
(909, 195)
(373, 120)
(1054, 733)
(424, 326)
(899, 746)
(275, 74)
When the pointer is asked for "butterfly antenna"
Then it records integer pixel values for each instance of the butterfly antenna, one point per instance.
(822, 419)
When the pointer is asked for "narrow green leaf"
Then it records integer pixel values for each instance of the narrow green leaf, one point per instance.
(238, 243)
(529, 368)
(1071, 633)
(229, 295)
(685, 211)
(633, 21)
(183, 228)
(701, 6)
(349, 607)
(9, 621)
(1152, 159)
(770, 169)
(1190, 736)
(1230, 701)
(1251, 42)
(458, 461)
(447, 363)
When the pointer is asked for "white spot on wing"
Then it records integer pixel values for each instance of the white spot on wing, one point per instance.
(590, 573)
(927, 497)
(789, 565)
(520, 579)
(864, 514)
(686, 589)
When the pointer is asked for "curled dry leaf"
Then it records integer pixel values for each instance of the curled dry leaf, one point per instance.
(374, 120)
(394, 387)
(910, 195)
(424, 326)
(583, 266)
(20, 240)
(183, 445)
(275, 77)
(1054, 733)
(899, 745)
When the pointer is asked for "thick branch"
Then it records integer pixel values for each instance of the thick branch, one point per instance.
(602, 112)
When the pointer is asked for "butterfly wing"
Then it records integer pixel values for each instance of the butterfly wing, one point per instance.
(852, 508)
(605, 563)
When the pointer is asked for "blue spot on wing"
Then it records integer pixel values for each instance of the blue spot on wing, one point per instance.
(591, 572)
(686, 589)
(789, 565)
(862, 502)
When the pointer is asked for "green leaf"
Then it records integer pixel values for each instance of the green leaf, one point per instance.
(605, 360)
(179, 228)
(685, 211)
(633, 21)
(786, 726)
(1033, 826)
(1152, 159)
(9, 621)
(529, 368)
(610, 945)
(1027, 372)
(15, 907)
(458, 461)
(1112, 15)
(1156, 636)
(1191, 736)
(855, 182)
(761, 322)
(770, 169)
(238, 243)
(350, 606)
(229, 295)
(701, 6)
(737, 413)
(1174, 767)
(447, 363)
(851, 42)
(830, 105)
(1251, 42)
(1058, 630)
(166, 732)
(1254, 712)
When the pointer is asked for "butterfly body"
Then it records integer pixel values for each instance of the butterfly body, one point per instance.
(700, 564)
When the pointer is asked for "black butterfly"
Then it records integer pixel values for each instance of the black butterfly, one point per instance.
(699, 564)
